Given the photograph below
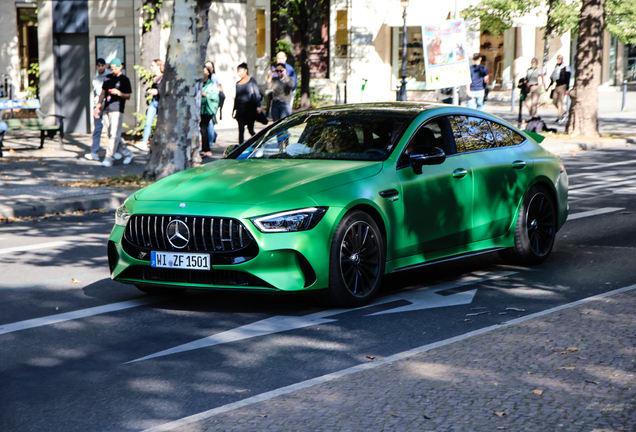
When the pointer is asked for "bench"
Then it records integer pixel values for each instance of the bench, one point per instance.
(46, 124)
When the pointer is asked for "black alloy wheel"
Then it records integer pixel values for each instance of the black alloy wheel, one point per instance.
(535, 230)
(356, 263)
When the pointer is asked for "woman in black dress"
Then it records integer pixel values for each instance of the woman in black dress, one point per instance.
(247, 101)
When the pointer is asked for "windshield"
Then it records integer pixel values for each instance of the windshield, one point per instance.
(348, 135)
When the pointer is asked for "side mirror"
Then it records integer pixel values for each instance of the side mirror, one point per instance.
(230, 149)
(424, 155)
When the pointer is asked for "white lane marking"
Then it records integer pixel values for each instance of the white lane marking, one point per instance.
(609, 181)
(83, 313)
(594, 212)
(33, 247)
(419, 298)
(47, 282)
(601, 186)
(609, 164)
(364, 366)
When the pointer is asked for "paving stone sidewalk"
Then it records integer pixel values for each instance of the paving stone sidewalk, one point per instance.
(571, 370)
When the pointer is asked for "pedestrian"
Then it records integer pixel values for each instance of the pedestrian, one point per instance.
(116, 90)
(247, 102)
(101, 72)
(156, 88)
(281, 57)
(211, 132)
(209, 106)
(479, 79)
(486, 88)
(281, 88)
(535, 82)
(561, 78)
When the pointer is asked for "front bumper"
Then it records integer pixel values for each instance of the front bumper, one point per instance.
(284, 262)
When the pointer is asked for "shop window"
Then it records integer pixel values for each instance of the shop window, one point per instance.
(28, 47)
(416, 78)
(630, 63)
(492, 47)
(260, 33)
(342, 33)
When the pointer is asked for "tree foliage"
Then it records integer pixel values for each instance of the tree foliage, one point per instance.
(496, 16)
(299, 15)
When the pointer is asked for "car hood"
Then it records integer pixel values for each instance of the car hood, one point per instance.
(257, 181)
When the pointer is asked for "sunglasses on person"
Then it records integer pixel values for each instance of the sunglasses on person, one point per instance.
(280, 70)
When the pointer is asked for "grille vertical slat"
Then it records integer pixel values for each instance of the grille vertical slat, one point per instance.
(240, 232)
(231, 235)
(137, 230)
(163, 235)
(205, 246)
(221, 234)
(194, 233)
(212, 234)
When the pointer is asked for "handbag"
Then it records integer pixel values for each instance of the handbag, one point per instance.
(261, 117)
(552, 94)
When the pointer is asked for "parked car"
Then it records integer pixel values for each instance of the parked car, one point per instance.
(332, 199)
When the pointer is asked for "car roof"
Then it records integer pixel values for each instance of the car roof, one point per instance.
(407, 108)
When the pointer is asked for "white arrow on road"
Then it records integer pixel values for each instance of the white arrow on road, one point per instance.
(420, 299)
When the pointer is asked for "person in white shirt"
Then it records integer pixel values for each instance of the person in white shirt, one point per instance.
(101, 73)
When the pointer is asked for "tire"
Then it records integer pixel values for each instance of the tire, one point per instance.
(535, 230)
(356, 262)
(153, 290)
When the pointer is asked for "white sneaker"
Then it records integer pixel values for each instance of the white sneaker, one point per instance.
(92, 156)
(141, 146)
(108, 162)
(127, 159)
(117, 156)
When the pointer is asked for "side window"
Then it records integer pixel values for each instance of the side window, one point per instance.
(430, 134)
(472, 134)
(505, 136)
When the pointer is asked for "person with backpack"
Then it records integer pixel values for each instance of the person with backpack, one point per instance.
(535, 82)
(561, 78)
(209, 106)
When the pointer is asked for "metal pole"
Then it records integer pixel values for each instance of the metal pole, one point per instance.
(456, 89)
(520, 110)
(338, 102)
(346, 89)
(512, 98)
(624, 95)
(401, 96)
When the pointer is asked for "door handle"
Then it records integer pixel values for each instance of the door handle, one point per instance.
(460, 172)
(518, 164)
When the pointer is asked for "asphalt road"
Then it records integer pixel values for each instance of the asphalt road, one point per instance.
(79, 352)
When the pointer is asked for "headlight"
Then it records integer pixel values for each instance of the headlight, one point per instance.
(121, 216)
(291, 221)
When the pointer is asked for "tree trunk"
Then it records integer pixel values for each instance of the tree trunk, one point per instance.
(549, 28)
(175, 143)
(150, 44)
(303, 30)
(583, 115)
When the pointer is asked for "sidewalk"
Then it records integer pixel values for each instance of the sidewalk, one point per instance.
(28, 176)
(571, 369)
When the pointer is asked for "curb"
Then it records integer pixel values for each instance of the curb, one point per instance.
(65, 205)
(559, 146)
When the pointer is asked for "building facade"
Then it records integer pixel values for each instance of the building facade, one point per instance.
(356, 49)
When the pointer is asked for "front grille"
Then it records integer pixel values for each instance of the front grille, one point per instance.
(203, 277)
(207, 234)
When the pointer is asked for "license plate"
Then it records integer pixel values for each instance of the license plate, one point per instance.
(188, 261)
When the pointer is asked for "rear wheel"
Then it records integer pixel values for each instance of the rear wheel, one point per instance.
(535, 230)
(356, 262)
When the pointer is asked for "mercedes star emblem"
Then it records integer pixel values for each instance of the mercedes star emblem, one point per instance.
(178, 234)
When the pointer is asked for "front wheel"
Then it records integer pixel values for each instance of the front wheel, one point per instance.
(535, 230)
(356, 263)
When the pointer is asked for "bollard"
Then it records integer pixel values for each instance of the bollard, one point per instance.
(624, 95)
(338, 102)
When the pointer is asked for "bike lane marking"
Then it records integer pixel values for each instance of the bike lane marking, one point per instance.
(82, 313)
(364, 366)
(33, 247)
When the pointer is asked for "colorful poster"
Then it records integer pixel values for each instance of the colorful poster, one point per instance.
(21, 104)
(446, 60)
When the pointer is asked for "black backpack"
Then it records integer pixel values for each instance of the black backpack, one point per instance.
(536, 124)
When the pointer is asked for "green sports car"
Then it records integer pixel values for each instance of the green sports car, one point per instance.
(331, 199)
